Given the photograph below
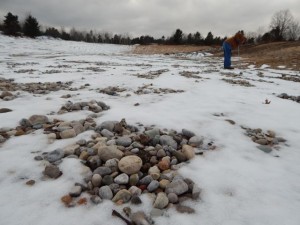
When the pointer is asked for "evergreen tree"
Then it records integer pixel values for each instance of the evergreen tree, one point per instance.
(52, 32)
(209, 40)
(11, 25)
(31, 27)
(177, 37)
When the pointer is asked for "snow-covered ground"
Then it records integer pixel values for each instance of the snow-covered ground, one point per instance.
(241, 185)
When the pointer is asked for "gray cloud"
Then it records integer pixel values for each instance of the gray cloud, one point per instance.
(153, 17)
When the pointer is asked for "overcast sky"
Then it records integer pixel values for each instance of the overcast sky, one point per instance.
(153, 17)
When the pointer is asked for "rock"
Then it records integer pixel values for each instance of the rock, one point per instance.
(81, 142)
(38, 119)
(25, 123)
(6, 94)
(93, 162)
(67, 200)
(84, 155)
(30, 182)
(146, 180)
(112, 164)
(188, 151)
(109, 152)
(195, 141)
(130, 164)
(156, 212)
(122, 195)
(188, 133)
(105, 193)
(135, 200)
(173, 198)
(55, 155)
(38, 158)
(107, 133)
(164, 165)
(109, 125)
(163, 183)
(264, 148)
(280, 139)
(184, 209)
(78, 128)
(152, 133)
(196, 192)
(161, 153)
(70, 133)
(168, 141)
(107, 180)
(75, 191)
(124, 141)
(134, 179)
(102, 171)
(96, 180)
(122, 179)
(153, 186)
(161, 201)
(135, 191)
(52, 171)
(262, 141)
(178, 187)
(70, 150)
(5, 110)
(96, 199)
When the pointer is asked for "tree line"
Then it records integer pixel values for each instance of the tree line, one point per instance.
(283, 27)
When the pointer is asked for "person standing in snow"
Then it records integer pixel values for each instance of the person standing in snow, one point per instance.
(232, 43)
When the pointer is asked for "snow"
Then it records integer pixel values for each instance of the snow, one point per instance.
(241, 184)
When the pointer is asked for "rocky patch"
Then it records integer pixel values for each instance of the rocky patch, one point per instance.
(93, 106)
(243, 83)
(149, 89)
(151, 74)
(289, 97)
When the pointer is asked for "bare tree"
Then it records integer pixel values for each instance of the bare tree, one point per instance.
(293, 32)
(281, 21)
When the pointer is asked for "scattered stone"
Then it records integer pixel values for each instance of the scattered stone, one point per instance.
(122, 179)
(96, 199)
(96, 180)
(70, 133)
(178, 187)
(75, 191)
(38, 120)
(184, 209)
(105, 193)
(173, 198)
(123, 195)
(38, 158)
(136, 200)
(67, 200)
(5, 110)
(153, 186)
(30, 182)
(55, 155)
(102, 171)
(188, 133)
(264, 148)
(230, 121)
(52, 171)
(107, 133)
(188, 151)
(124, 141)
(109, 152)
(161, 201)
(195, 141)
(82, 201)
(168, 141)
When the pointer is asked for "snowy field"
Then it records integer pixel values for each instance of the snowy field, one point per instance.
(241, 185)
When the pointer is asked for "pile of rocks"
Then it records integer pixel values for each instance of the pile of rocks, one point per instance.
(151, 74)
(112, 90)
(35, 88)
(243, 83)
(125, 163)
(289, 78)
(266, 140)
(148, 89)
(93, 105)
(190, 74)
(290, 97)
(7, 96)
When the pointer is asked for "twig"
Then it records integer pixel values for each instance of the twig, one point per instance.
(117, 214)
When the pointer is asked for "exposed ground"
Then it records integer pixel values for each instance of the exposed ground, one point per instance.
(273, 54)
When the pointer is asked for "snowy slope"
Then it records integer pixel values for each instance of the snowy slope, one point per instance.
(241, 184)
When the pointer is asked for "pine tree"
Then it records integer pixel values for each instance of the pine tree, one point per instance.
(31, 27)
(209, 40)
(11, 25)
(177, 37)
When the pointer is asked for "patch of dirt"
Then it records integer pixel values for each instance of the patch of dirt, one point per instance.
(168, 49)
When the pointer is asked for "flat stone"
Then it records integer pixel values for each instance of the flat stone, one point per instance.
(153, 186)
(130, 164)
(188, 151)
(96, 199)
(196, 141)
(184, 209)
(123, 195)
(107, 133)
(55, 155)
(75, 191)
(264, 148)
(188, 133)
(38, 119)
(109, 152)
(70, 133)
(124, 141)
(168, 141)
(102, 171)
(122, 179)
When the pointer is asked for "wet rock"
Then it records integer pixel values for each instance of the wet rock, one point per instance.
(130, 164)
(105, 193)
(178, 187)
(52, 171)
(122, 179)
(161, 201)
(124, 141)
(109, 152)
(38, 119)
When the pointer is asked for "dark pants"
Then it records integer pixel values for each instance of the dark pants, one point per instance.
(227, 54)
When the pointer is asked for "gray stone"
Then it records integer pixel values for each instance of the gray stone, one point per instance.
(112, 164)
(109, 152)
(70, 133)
(188, 133)
(25, 123)
(161, 153)
(146, 180)
(96, 180)
(184, 209)
(262, 141)
(178, 187)
(75, 191)
(71, 149)
(264, 148)
(188, 151)
(105, 193)
(5, 110)
(102, 171)
(109, 125)
(179, 156)
(137, 145)
(38, 119)
(156, 212)
(130, 164)
(135, 191)
(122, 195)
(124, 141)
(55, 155)
(161, 201)
(173, 198)
(153, 186)
(196, 191)
(107, 180)
(52, 171)
(107, 133)
(93, 162)
(168, 141)
(122, 179)
(38, 158)
(111, 142)
(135, 200)
(96, 199)
(152, 133)
(196, 141)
